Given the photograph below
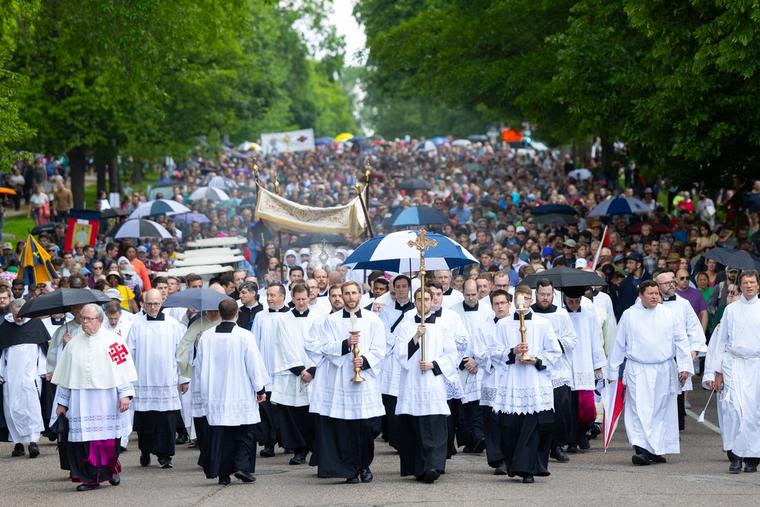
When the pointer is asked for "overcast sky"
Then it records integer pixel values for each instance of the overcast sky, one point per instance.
(342, 18)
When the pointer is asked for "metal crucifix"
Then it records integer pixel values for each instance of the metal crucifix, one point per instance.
(422, 244)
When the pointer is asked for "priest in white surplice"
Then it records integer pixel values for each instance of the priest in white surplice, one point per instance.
(524, 398)
(647, 338)
(422, 405)
(22, 368)
(473, 314)
(565, 405)
(685, 315)
(451, 296)
(493, 376)
(732, 367)
(349, 412)
(265, 331)
(153, 341)
(391, 315)
(293, 372)
(587, 360)
(231, 376)
(94, 376)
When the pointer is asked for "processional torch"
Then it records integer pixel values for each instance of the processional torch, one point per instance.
(422, 244)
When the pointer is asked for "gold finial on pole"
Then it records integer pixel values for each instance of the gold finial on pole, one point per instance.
(422, 244)
(277, 186)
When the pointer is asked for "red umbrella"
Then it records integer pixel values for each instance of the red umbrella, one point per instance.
(614, 400)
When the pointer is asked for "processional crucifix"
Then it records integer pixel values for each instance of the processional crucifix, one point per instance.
(422, 244)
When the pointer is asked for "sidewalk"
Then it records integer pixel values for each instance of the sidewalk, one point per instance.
(89, 179)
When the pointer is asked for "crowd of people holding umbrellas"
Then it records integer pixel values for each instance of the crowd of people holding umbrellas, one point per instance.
(494, 211)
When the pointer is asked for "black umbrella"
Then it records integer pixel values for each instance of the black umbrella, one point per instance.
(732, 258)
(414, 184)
(113, 213)
(565, 277)
(197, 299)
(547, 209)
(555, 218)
(307, 240)
(61, 301)
(43, 228)
(33, 331)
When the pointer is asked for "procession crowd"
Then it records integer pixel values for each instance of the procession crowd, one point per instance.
(301, 353)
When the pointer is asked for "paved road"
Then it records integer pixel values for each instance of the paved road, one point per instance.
(695, 477)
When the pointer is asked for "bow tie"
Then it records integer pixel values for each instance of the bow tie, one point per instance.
(496, 319)
(304, 314)
(281, 310)
(58, 322)
(347, 315)
(429, 320)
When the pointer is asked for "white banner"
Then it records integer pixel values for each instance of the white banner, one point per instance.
(286, 142)
(281, 214)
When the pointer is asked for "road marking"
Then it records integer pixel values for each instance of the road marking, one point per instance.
(707, 423)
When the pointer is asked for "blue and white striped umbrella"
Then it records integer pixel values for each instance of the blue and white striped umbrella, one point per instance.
(619, 206)
(210, 193)
(418, 216)
(159, 207)
(393, 253)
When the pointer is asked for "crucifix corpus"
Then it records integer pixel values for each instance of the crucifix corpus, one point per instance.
(422, 244)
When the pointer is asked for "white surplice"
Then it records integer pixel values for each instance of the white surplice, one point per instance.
(562, 372)
(391, 316)
(264, 329)
(452, 297)
(21, 368)
(93, 414)
(588, 354)
(648, 339)
(473, 318)
(512, 387)
(52, 326)
(153, 344)
(293, 333)
(230, 371)
(425, 393)
(56, 343)
(734, 351)
(123, 326)
(690, 322)
(333, 394)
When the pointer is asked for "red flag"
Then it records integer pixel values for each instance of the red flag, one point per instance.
(614, 400)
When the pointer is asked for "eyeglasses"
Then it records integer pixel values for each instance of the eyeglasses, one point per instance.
(88, 319)
(669, 282)
(152, 304)
(682, 278)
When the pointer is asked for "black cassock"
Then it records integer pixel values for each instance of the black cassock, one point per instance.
(423, 443)
(343, 447)
(525, 440)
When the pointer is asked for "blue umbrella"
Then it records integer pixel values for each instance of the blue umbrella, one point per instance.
(562, 209)
(393, 253)
(197, 299)
(419, 215)
(323, 141)
(159, 207)
(619, 206)
(440, 140)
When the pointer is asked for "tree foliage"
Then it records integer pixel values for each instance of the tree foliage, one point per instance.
(677, 81)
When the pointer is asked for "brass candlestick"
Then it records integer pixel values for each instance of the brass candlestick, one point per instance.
(521, 310)
(357, 379)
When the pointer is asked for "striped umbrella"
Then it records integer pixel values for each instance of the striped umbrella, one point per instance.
(222, 183)
(159, 207)
(210, 193)
(393, 253)
(419, 215)
(619, 206)
(35, 264)
(139, 228)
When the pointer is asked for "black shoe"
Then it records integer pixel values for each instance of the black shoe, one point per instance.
(144, 459)
(468, 449)
(353, 480)
(735, 467)
(366, 475)
(34, 451)
(558, 454)
(572, 449)
(51, 435)
(267, 452)
(18, 450)
(87, 487)
(750, 469)
(115, 480)
(479, 446)
(528, 479)
(583, 443)
(430, 476)
(501, 469)
(298, 459)
(656, 458)
(181, 439)
(224, 480)
(245, 476)
(640, 460)
(165, 463)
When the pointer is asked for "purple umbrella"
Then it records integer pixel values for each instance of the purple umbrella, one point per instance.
(187, 218)
(242, 170)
